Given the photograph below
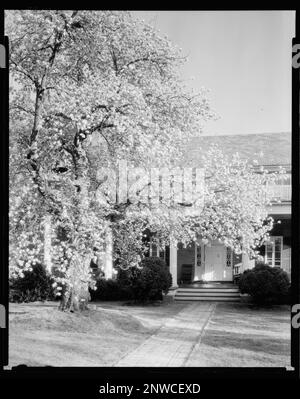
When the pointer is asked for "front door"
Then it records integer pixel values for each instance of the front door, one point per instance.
(215, 264)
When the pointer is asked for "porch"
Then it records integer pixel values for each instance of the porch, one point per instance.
(213, 263)
(200, 264)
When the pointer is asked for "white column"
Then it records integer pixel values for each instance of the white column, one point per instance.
(173, 262)
(109, 254)
(47, 243)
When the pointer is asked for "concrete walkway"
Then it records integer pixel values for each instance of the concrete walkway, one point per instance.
(172, 344)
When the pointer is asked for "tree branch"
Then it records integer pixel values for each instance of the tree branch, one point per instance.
(17, 106)
(23, 72)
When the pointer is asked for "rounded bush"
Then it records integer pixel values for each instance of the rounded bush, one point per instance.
(149, 282)
(36, 285)
(265, 284)
(109, 290)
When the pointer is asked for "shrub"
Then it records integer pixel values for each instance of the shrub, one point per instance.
(148, 282)
(265, 284)
(36, 285)
(109, 290)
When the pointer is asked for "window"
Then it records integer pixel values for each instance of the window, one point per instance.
(273, 254)
(284, 180)
(153, 248)
(281, 190)
(228, 257)
(157, 250)
(198, 255)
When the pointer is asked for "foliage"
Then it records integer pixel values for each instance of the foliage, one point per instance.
(265, 284)
(35, 285)
(235, 211)
(129, 245)
(89, 88)
(236, 201)
(110, 290)
(148, 281)
(144, 283)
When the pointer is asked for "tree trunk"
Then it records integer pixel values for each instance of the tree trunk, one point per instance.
(47, 243)
(76, 295)
(75, 299)
(109, 254)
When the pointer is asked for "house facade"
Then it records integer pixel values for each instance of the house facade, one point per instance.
(213, 262)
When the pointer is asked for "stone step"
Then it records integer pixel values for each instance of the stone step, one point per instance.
(225, 290)
(217, 293)
(229, 294)
(208, 298)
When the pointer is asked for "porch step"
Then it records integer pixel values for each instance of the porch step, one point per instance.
(210, 298)
(207, 294)
(209, 290)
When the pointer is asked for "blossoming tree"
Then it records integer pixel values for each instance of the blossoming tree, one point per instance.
(81, 77)
(234, 210)
(89, 89)
(236, 202)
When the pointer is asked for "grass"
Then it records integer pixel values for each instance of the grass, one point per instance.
(40, 334)
(241, 335)
(236, 335)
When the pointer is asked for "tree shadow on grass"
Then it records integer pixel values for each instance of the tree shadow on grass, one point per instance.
(254, 343)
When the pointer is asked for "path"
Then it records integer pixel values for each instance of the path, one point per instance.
(172, 344)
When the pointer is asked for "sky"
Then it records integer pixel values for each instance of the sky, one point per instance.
(242, 57)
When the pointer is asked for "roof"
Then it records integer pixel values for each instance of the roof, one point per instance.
(266, 148)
